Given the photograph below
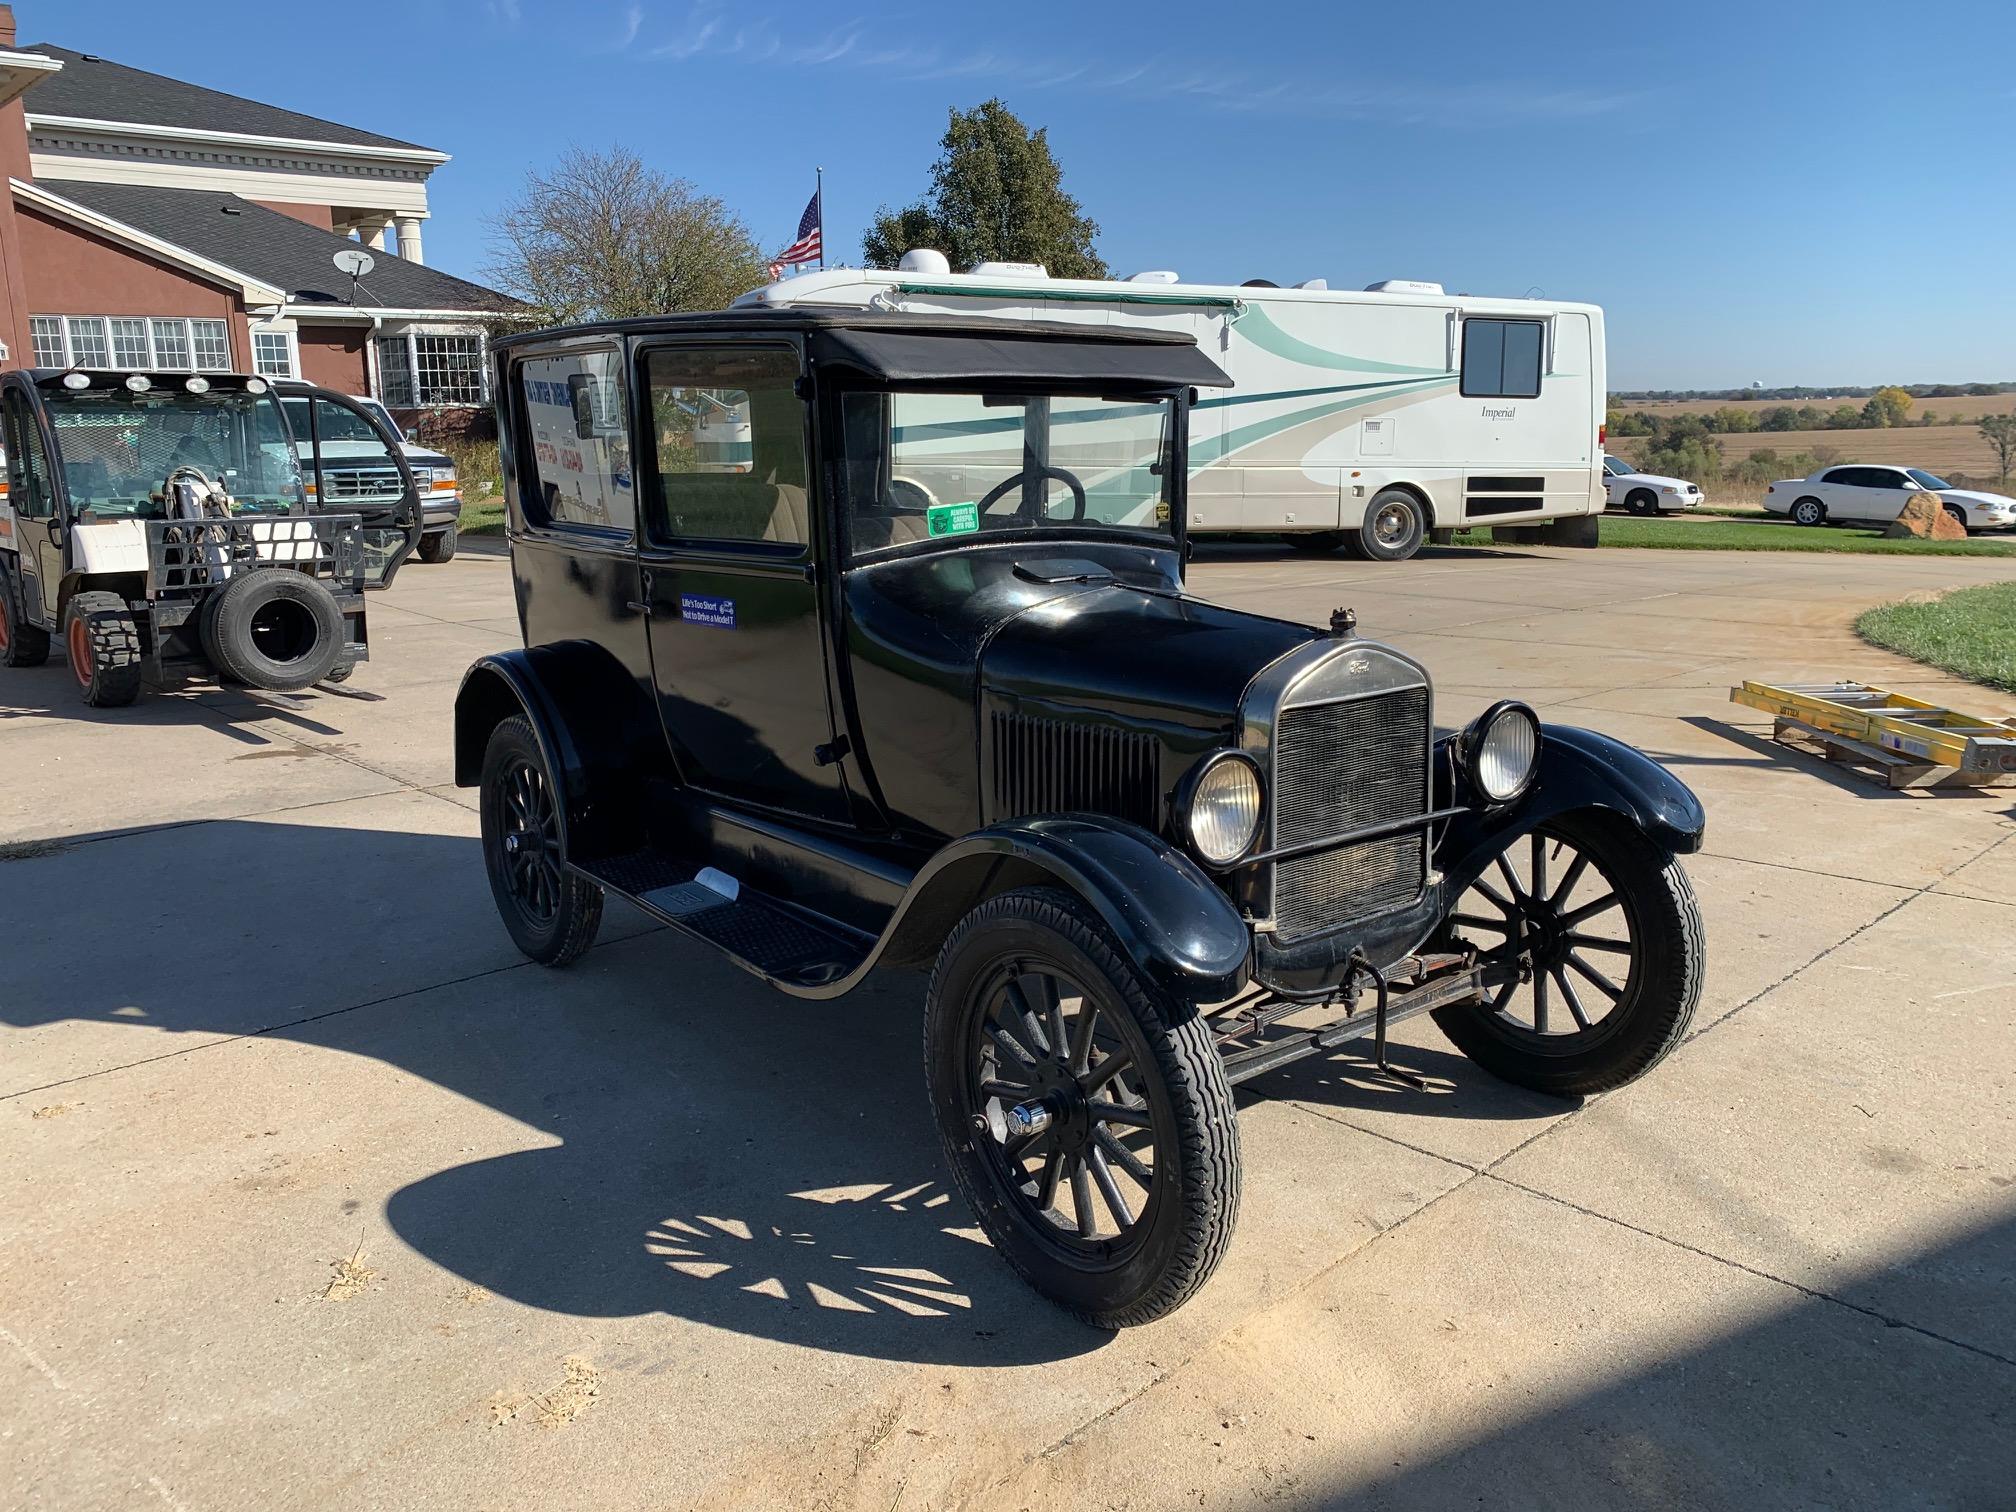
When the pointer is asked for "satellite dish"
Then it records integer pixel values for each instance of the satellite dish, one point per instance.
(355, 261)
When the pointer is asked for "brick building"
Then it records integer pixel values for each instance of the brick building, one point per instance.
(153, 223)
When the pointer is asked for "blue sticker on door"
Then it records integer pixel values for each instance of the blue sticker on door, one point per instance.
(704, 609)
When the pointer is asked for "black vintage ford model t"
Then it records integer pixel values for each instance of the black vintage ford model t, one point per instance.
(856, 639)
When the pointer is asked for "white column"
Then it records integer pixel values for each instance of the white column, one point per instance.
(409, 238)
(378, 234)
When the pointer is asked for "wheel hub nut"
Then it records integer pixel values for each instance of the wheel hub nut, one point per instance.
(1029, 1117)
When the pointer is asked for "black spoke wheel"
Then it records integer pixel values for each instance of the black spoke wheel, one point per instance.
(1603, 933)
(1087, 1118)
(551, 913)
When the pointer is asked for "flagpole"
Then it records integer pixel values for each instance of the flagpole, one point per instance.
(819, 193)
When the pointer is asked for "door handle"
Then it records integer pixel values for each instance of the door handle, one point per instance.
(637, 605)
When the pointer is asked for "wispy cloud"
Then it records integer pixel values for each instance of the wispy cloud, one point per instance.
(504, 12)
(856, 45)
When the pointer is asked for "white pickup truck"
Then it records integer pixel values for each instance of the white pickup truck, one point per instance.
(1867, 495)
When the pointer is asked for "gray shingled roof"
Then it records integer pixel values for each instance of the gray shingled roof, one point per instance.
(276, 249)
(98, 89)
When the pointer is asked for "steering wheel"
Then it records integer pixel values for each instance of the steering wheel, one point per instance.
(1045, 471)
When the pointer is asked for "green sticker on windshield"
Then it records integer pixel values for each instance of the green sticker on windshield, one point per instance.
(953, 519)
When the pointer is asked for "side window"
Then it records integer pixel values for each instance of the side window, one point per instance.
(1501, 358)
(28, 480)
(729, 432)
(1887, 477)
(577, 435)
(1843, 475)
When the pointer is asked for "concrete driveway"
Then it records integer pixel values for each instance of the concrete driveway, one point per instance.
(312, 1194)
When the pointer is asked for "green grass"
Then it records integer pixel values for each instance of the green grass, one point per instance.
(1760, 535)
(1970, 632)
(475, 465)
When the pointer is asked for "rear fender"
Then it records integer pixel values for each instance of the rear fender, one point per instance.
(1168, 916)
(1579, 769)
(595, 727)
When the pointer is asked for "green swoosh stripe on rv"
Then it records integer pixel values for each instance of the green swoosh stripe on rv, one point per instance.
(1216, 449)
(1259, 328)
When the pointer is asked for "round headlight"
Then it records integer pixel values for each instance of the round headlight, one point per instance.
(1223, 811)
(1504, 751)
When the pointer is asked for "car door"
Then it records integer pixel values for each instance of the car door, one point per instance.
(358, 466)
(38, 532)
(1888, 489)
(729, 581)
(1845, 493)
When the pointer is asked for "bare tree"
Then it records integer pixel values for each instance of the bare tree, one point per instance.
(603, 236)
(2000, 433)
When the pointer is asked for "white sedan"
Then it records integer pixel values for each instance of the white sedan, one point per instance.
(1645, 493)
(1877, 495)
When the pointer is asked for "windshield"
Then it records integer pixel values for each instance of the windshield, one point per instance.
(1927, 480)
(925, 465)
(117, 449)
(338, 423)
(1617, 466)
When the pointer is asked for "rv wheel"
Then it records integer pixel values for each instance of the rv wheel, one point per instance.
(1395, 524)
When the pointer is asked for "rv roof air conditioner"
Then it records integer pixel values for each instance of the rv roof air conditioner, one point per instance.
(1010, 270)
(923, 260)
(1314, 283)
(1402, 286)
(1154, 275)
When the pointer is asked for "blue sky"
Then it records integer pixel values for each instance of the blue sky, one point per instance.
(1780, 191)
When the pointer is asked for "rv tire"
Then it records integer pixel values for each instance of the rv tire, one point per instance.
(1396, 523)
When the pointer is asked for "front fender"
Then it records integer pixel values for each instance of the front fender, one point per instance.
(1167, 915)
(1579, 769)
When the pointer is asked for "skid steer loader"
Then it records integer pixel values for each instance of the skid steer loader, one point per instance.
(164, 525)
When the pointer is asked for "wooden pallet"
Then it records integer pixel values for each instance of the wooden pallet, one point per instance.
(1875, 763)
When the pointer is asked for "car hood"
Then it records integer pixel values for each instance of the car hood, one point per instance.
(1975, 497)
(1654, 479)
(1153, 657)
(371, 451)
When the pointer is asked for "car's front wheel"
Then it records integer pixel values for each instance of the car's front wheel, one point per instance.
(1642, 501)
(551, 912)
(1086, 1116)
(1808, 512)
(1603, 930)
(103, 640)
(440, 546)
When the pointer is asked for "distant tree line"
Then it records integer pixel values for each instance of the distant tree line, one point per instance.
(1690, 446)
(1915, 390)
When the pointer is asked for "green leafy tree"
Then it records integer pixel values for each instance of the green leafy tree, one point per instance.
(996, 194)
(1734, 419)
(1999, 431)
(1896, 403)
(1845, 417)
(1779, 417)
(601, 236)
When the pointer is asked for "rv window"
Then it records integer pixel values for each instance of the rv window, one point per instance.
(1501, 358)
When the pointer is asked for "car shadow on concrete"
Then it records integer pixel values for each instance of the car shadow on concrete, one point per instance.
(695, 1143)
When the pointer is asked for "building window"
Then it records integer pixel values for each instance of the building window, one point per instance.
(1501, 358)
(415, 371)
(212, 345)
(87, 342)
(49, 348)
(129, 343)
(171, 343)
(273, 353)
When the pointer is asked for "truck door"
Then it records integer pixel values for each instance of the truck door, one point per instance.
(355, 465)
(728, 577)
(38, 528)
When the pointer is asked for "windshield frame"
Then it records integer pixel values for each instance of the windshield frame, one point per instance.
(1173, 461)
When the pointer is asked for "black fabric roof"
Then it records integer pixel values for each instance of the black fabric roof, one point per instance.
(98, 89)
(277, 249)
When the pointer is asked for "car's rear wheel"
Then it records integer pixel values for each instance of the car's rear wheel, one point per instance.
(1604, 930)
(21, 644)
(1808, 511)
(1395, 525)
(551, 912)
(104, 646)
(1085, 1115)
(1642, 501)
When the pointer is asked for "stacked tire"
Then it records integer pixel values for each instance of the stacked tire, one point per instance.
(275, 629)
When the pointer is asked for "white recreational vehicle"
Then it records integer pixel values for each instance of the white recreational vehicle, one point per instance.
(1363, 419)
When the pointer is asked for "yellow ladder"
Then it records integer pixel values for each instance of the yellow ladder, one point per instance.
(1910, 742)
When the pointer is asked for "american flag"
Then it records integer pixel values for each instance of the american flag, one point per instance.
(809, 247)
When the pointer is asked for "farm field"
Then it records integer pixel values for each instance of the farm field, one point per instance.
(1969, 408)
(1943, 449)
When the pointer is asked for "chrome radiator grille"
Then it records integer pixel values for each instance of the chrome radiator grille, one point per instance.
(1338, 767)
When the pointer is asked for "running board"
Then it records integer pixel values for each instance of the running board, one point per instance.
(780, 943)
